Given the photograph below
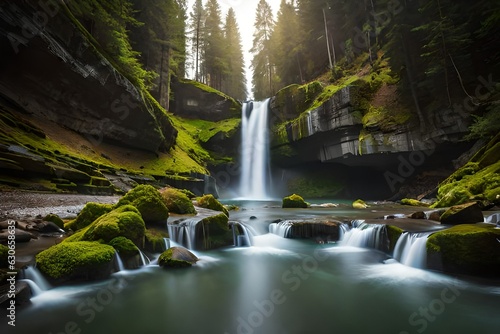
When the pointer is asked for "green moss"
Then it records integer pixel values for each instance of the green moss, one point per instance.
(4, 256)
(70, 259)
(211, 90)
(210, 202)
(177, 202)
(393, 233)
(125, 247)
(188, 193)
(90, 212)
(468, 248)
(359, 204)
(148, 201)
(216, 232)
(154, 240)
(294, 201)
(205, 130)
(413, 202)
(176, 258)
(315, 185)
(124, 221)
(54, 219)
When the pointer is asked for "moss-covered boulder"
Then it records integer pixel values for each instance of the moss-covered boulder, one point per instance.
(294, 201)
(393, 233)
(413, 202)
(4, 256)
(176, 201)
(90, 212)
(154, 240)
(359, 204)
(54, 219)
(76, 260)
(148, 201)
(124, 246)
(125, 221)
(467, 249)
(210, 202)
(479, 179)
(177, 257)
(468, 213)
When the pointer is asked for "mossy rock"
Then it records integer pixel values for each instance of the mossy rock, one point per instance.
(393, 233)
(154, 241)
(210, 202)
(479, 179)
(177, 202)
(214, 232)
(125, 221)
(125, 247)
(232, 207)
(188, 193)
(177, 257)
(413, 202)
(359, 204)
(76, 260)
(294, 201)
(90, 212)
(148, 201)
(4, 256)
(54, 219)
(468, 213)
(468, 249)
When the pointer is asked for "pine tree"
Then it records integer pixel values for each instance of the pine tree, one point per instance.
(234, 83)
(214, 60)
(196, 32)
(262, 62)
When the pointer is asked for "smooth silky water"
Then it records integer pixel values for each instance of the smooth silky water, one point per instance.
(275, 286)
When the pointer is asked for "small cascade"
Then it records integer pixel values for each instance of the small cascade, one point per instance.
(184, 233)
(282, 228)
(411, 249)
(242, 234)
(144, 259)
(119, 262)
(167, 243)
(310, 130)
(365, 235)
(343, 229)
(35, 289)
(34, 275)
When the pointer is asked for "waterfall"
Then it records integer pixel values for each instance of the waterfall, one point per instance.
(343, 229)
(144, 259)
(242, 234)
(365, 235)
(34, 275)
(255, 150)
(184, 233)
(411, 249)
(167, 243)
(282, 228)
(310, 130)
(119, 262)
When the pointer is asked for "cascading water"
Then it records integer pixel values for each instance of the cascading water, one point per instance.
(255, 150)
(31, 273)
(282, 228)
(184, 233)
(242, 234)
(119, 262)
(365, 235)
(411, 249)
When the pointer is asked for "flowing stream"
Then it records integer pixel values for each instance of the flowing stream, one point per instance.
(275, 285)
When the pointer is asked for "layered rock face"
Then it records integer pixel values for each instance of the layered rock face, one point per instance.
(49, 69)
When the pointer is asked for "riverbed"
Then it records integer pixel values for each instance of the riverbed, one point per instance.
(275, 286)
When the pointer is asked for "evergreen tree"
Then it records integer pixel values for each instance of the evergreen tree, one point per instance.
(287, 45)
(196, 32)
(234, 83)
(214, 60)
(262, 63)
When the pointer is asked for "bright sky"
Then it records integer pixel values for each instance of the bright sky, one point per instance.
(245, 15)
